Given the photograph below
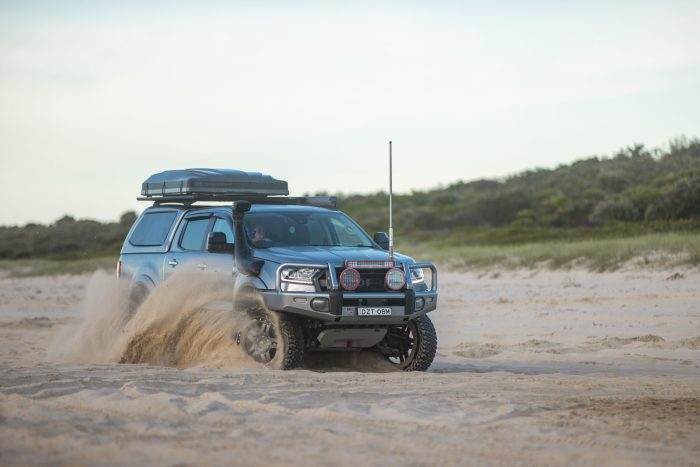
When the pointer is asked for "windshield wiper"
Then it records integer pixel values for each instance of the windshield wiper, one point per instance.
(346, 246)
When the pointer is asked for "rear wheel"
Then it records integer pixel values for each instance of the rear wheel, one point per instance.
(273, 339)
(412, 346)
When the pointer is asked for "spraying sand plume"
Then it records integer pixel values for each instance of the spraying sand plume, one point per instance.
(187, 321)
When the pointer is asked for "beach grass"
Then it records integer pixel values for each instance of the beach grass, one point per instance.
(54, 267)
(661, 250)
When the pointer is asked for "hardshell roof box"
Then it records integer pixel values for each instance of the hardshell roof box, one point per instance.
(210, 184)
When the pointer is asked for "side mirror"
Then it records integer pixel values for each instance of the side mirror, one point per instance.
(382, 240)
(216, 243)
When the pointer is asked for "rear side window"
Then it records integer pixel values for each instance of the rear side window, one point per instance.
(153, 228)
(195, 233)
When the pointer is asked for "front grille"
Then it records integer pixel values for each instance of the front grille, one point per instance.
(371, 280)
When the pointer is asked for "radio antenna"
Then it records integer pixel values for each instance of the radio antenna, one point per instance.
(391, 220)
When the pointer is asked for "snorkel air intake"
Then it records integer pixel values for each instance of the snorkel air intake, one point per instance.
(244, 259)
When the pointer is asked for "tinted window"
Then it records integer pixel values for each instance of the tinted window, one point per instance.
(318, 232)
(347, 232)
(221, 225)
(194, 236)
(153, 228)
(299, 228)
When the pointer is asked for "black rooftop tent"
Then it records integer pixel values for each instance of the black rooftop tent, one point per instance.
(191, 185)
(210, 184)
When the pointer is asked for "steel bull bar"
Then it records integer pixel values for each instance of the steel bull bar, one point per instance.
(341, 304)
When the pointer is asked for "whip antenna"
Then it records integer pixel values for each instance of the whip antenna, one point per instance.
(391, 221)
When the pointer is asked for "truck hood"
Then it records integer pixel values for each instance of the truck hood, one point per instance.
(323, 254)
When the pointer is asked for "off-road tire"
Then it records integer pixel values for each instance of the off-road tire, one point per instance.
(427, 345)
(286, 329)
(293, 337)
(424, 345)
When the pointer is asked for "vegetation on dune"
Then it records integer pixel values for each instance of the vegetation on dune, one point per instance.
(636, 185)
(639, 203)
(65, 239)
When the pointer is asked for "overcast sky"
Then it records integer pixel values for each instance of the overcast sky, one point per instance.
(96, 96)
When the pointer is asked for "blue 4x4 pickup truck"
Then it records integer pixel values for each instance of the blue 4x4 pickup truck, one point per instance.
(330, 285)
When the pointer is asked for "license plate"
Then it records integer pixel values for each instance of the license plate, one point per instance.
(373, 311)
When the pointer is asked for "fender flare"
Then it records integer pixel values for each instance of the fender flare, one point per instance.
(246, 289)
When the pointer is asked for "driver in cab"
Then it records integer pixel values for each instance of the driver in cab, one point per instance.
(257, 236)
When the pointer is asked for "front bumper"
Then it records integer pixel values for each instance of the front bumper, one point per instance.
(342, 305)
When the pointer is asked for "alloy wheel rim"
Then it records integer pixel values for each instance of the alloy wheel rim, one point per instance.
(260, 341)
(406, 355)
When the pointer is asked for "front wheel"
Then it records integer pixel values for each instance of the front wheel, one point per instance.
(412, 346)
(273, 339)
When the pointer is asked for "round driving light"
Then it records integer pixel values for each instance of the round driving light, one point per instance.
(395, 279)
(350, 279)
(420, 303)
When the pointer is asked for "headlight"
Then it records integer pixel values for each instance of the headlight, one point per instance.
(417, 275)
(299, 275)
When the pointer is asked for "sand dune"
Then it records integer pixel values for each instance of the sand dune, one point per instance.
(538, 367)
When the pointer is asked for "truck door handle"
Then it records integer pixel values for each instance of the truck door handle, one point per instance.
(172, 262)
(202, 266)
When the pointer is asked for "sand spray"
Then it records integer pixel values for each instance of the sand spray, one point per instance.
(186, 321)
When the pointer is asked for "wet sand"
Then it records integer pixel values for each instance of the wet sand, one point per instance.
(533, 367)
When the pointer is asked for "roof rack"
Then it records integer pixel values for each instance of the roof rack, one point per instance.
(330, 202)
(191, 185)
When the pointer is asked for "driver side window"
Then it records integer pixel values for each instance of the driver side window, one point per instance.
(220, 225)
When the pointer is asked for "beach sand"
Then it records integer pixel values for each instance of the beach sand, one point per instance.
(533, 367)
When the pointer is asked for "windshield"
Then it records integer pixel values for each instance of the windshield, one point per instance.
(295, 228)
